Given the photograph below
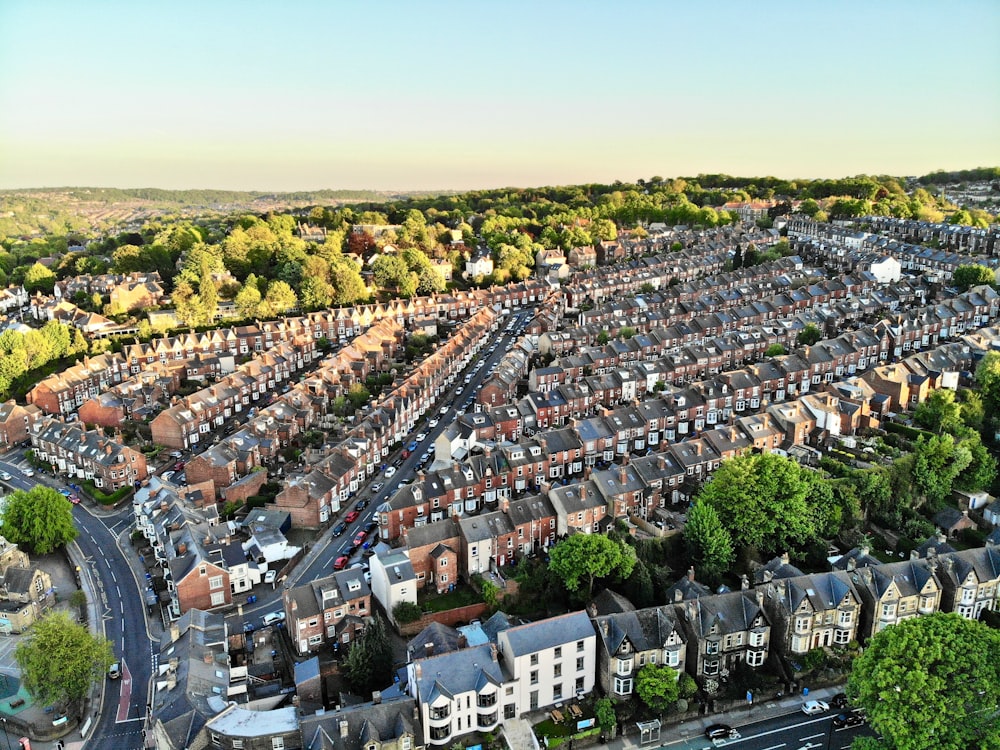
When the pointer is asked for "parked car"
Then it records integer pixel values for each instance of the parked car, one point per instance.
(377, 487)
(339, 529)
(341, 562)
(433, 423)
(115, 671)
(360, 537)
(273, 618)
(444, 409)
(360, 505)
(176, 454)
(270, 576)
(178, 465)
(421, 437)
(73, 498)
(5, 476)
(370, 527)
(815, 707)
(390, 472)
(352, 516)
(29, 472)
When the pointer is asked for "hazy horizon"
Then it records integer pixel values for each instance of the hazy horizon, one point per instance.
(443, 96)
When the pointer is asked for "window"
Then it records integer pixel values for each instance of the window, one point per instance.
(756, 638)
(440, 712)
(845, 617)
(624, 666)
(218, 598)
(557, 670)
(534, 660)
(557, 692)
(623, 685)
(558, 652)
(534, 677)
(712, 647)
(712, 668)
(671, 658)
(579, 664)
(579, 646)
(237, 744)
(315, 640)
(840, 637)
(215, 582)
(579, 684)
(755, 658)
(277, 743)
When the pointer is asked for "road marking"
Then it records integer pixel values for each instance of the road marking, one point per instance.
(125, 697)
(775, 747)
(119, 593)
(113, 576)
(812, 736)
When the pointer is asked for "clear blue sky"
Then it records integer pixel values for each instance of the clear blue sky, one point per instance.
(298, 95)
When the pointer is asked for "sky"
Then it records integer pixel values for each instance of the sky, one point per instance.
(300, 95)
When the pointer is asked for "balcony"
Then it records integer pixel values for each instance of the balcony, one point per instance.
(487, 721)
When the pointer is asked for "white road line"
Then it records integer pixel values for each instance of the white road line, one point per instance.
(775, 747)
(123, 643)
(123, 627)
(113, 576)
(812, 736)
(119, 593)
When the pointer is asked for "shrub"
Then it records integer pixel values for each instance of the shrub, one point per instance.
(406, 612)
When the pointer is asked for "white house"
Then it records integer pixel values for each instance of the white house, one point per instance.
(393, 580)
(460, 692)
(550, 660)
(884, 268)
(481, 266)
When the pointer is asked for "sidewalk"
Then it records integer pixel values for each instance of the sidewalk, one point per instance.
(694, 729)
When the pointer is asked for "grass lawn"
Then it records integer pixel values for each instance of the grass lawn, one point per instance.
(460, 597)
(549, 728)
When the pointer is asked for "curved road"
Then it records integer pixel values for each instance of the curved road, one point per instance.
(118, 717)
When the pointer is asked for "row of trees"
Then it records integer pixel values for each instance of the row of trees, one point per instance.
(24, 354)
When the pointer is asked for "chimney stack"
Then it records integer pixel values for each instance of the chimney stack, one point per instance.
(691, 574)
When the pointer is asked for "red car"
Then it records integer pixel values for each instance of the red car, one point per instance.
(352, 516)
(341, 562)
(73, 498)
(359, 538)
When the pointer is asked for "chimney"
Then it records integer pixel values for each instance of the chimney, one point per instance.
(583, 491)
(678, 595)
(462, 641)
(417, 670)
(622, 475)
(428, 649)
(744, 582)
(852, 563)
(661, 462)
(865, 550)
(376, 697)
(343, 727)
(691, 574)
(760, 597)
(493, 651)
(175, 632)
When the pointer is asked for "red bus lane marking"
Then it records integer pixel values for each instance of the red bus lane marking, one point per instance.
(126, 694)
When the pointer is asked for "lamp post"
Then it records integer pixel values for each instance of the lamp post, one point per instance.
(5, 734)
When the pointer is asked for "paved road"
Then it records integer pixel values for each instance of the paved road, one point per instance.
(119, 718)
(327, 548)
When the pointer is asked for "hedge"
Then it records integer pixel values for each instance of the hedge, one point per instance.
(102, 498)
(910, 432)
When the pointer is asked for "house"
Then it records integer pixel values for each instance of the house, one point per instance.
(87, 454)
(724, 630)
(812, 611)
(16, 422)
(327, 611)
(629, 640)
(393, 580)
(893, 592)
(460, 692)
(550, 660)
(382, 724)
(970, 581)
(239, 728)
(479, 266)
(26, 592)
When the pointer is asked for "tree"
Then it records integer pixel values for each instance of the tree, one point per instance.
(39, 518)
(656, 685)
(358, 395)
(762, 500)
(809, 335)
(931, 682)
(39, 278)
(280, 298)
(937, 461)
(982, 468)
(590, 556)
(709, 544)
(775, 350)
(60, 659)
(368, 665)
(405, 612)
(248, 299)
(390, 271)
(939, 412)
(604, 712)
(966, 277)
(347, 282)
(430, 280)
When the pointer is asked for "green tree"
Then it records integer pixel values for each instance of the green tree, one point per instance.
(38, 278)
(982, 468)
(347, 282)
(405, 612)
(368, 665)
(937, 461)
(60, 660)
(39, 518)
(280, 298)
(775, 350)
(208, 295)
(248, 298)
(430, 280)
(762, 500)
(656, 686)
(939, 412)
(491, 594)
(708, 543)
(585, 557)
(966, 277)
(988, 380)
(931, 682)
(809, 335)
(390, 271)
(604, 712)
(358, 395)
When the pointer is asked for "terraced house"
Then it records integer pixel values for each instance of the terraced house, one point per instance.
(88, 455)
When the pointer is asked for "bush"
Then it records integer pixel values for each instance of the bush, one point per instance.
(406, 612)
(973, 537)
(91, 489)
